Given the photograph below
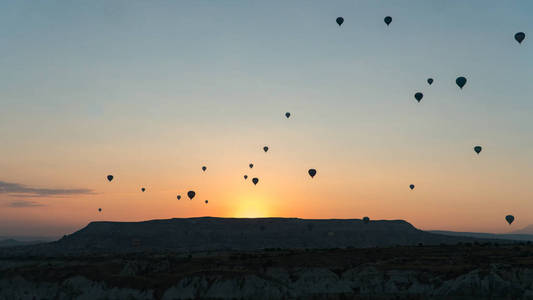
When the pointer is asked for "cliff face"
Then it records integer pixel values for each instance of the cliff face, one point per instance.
(209, 234)
(498, 281)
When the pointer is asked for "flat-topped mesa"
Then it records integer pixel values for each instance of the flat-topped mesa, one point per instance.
(263, 227)
(208, 233)
(223, 234)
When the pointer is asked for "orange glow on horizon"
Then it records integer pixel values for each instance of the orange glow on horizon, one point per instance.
(247, 207)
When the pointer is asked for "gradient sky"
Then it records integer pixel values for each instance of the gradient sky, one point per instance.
(150, 91)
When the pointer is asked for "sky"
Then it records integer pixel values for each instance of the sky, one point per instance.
(151, 91)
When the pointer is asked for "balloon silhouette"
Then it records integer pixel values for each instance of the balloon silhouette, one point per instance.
(519, 37)
(99, 209)
(419, 96)
(265, 148)
(460, 81)
(288, 115)
(109, 177)
(312, 172)
(179, 197)
(204, 168)
(478, 149)
(430, 81)
(251, 165)
(245, 177)
(340, 20)
(191, 194)
(509, 219)
(412, 186)
(387, 20)
(366, 220)
(143, 189)
(255, 180)
(206, 201)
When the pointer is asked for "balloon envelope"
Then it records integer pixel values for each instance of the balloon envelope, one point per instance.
(265, 148)
(179, 197)
(412, 186)
(109, 177)
(287, 114)
(366, 220)
(478, 149)
(206, 201)
(245, 177)
(509, 219)
(519, 37)
(430, 81)
(143, 189)
(312, 172)
(191, 194)
(387, 20)
(99, 209)
(255, 180)
(460, 81)
(419, 96)
(251, 165)
(204, 168)
(340, 20)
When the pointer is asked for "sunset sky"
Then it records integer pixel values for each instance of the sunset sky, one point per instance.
(150, 91)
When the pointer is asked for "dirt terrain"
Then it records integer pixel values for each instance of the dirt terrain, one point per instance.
(467, 270)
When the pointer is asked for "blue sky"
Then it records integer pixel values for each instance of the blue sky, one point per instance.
(152, 90)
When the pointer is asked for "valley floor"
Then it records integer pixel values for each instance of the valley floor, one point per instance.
(463, 271)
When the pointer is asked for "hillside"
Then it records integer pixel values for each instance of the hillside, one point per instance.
(222, 234)
(502, 236)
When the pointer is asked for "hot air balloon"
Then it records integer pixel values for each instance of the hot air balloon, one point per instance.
(366, 220)
(255, 180)
(265, 148)
(340, 20)
(509, 219)
(312, 172)
(179, 197)
(204, 168)
(143, 189)
(191, 194)
(206, 201)
(288, 115)
(251, 165)
(519, 37)
(412, 186)
(245, 177)
(430, 81)
(460, 81)
(478, 149)
(418, 96)
(387, 20)
(109, 177)
(99, 209)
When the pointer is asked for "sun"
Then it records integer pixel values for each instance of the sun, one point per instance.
(250, 213)
(251, 209)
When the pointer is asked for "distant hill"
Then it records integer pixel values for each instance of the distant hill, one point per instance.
(210, 234)
(505, 236)
(526, 230)
(29, 238)
(13, 243)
